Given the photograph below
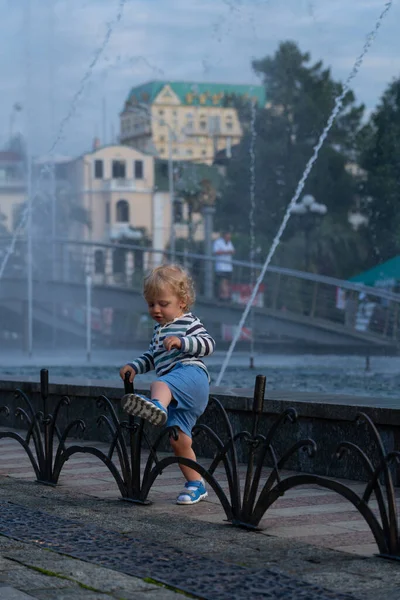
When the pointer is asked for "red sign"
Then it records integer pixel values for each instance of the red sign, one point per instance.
(229, 331)
(241, 292)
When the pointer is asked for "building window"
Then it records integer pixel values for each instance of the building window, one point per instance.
(204, 152)
(162, 138)
(108, 212)
(119, 258)
(228, 147)
(203, 125)
(189, 121)
(138, 169)
(98, 169)
(122, 211)
(214, 125)
(189, 152)
(99, 263)
(17, 215)
(162, 150)
(118, 169)
(178, 210)
(161, 112)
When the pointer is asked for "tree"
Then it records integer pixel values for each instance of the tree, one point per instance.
(334, 249)
(300, 99)
(379, 144)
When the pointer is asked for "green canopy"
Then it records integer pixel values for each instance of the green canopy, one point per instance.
(386, 274)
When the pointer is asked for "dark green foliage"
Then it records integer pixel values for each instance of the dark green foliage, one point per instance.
(380, 157)
(300, 98)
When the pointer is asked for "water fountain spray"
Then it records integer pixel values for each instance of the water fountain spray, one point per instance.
(336, 109)
(87, 75)
(29, 258)
(252, 152)
(72, 108)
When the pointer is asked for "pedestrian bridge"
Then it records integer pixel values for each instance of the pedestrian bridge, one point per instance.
(291, 305)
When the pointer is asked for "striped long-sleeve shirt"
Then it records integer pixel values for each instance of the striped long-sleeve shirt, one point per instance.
(196, 343)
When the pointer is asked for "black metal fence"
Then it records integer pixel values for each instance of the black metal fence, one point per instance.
(48, 450)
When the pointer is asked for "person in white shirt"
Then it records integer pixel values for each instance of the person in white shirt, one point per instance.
(223, 249)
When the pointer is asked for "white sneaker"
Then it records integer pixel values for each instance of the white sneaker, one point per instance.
(140, 406)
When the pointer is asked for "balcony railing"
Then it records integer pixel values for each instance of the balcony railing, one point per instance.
(12, 183)
(285, 293)
(124, 185)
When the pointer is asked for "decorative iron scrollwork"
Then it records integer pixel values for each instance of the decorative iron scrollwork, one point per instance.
(45, 463)
(244, 508)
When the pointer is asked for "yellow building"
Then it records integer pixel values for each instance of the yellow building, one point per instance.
(115, 186)
(125, 194)
(187, 121)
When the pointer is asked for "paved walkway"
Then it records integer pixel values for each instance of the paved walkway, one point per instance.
(310, 514)
(306, 529)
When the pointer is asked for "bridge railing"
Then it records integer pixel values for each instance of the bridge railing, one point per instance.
(283, 291)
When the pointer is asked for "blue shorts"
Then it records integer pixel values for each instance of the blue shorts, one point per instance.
(190, 389)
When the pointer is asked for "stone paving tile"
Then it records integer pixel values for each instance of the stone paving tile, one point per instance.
(70, 594)
(17, 469)
(360, 525)
(27, 475)
(28, 581)
(310, 500)
(102, 494)
(310, 510)
(67, 482)
(159, 594)
(270, 518)
(10, 593)
(336, 540)
(13, 458)
(305, 531)
(5, 565)
(22, 556)
(73, 473)
(347, 580)
(88, 574)
(361, 549)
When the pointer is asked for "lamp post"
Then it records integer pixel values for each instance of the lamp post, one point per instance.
(17, 107)
(208, 201)
(171, 194)
(309, 209)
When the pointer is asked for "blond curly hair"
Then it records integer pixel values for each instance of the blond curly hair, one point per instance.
(174, 277)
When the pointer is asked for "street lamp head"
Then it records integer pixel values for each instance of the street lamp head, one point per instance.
(357, 219)
(308, 200)
(318, 208)
(298, 209)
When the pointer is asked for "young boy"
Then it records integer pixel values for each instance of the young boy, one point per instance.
(180, 393)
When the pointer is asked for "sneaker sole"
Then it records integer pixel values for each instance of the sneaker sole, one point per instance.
(202, 497)
(145, 409)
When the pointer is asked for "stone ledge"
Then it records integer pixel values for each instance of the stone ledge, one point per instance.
(383, 411)
(327, 419)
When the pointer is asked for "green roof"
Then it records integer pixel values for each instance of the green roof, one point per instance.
(388, 273)
(197, 94)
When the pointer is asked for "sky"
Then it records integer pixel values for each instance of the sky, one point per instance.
(47, 47)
